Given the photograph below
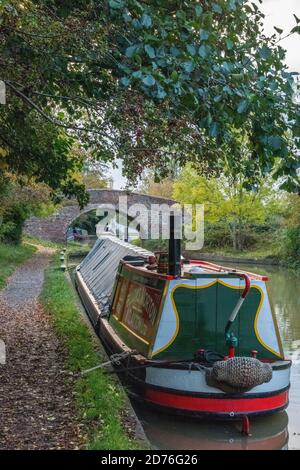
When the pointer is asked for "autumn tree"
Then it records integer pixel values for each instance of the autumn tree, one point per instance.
(211, 65)
(226, 201)
(147, 82)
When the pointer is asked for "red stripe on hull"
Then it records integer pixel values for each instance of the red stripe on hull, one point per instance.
(216, 405)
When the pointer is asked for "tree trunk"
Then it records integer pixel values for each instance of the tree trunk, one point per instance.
(234, 235)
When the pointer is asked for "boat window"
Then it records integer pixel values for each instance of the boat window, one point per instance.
(120, 297)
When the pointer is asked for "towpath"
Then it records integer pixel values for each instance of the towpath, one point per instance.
(36, 401)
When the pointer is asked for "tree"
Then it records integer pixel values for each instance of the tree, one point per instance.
(291, 234)
(211, 65)
(227, 202)
(93, 172)
(57, 82)
(18, 201)
(147, 82)
(163, 188)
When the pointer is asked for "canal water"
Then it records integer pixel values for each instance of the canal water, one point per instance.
(280, 431)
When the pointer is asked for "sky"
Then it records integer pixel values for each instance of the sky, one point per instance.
(278, 13)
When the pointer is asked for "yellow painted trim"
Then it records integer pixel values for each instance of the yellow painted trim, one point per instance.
(279, 341)
(163, 348)
(157, 321)
(131, 331)
(256, 328)
(208, 285)
(176, 330)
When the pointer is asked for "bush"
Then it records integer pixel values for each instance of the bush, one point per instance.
(12, 223)
(217, 236)
(291, 246)
(151, 245)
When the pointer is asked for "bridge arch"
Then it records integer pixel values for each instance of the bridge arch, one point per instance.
(54, 227)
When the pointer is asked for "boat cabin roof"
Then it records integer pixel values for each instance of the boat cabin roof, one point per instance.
(196, 269)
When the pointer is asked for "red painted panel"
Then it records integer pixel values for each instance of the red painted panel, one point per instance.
(216, 405)
(141, 309)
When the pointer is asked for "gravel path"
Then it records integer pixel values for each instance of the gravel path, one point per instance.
(36, 401)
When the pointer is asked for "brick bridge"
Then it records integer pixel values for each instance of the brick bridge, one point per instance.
(54, 227)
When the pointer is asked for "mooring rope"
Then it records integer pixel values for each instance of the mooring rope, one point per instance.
(113, 359)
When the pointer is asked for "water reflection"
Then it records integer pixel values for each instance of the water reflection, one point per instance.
(269, 433)
(175, 433)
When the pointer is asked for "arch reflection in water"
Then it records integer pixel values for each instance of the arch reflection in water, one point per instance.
(168, 432)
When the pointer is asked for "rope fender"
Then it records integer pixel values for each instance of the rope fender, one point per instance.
(239, 374)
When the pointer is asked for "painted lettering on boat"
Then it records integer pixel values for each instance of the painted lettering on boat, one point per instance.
(141, 309)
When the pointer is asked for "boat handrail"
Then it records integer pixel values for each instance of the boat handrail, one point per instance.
(220, 268)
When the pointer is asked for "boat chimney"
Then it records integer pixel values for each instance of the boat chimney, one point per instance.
(174, 266)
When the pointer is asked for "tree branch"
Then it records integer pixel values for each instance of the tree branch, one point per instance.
(53, 121)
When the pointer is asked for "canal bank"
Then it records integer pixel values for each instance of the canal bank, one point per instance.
(36, 391)
(237, 259)
(101, 402)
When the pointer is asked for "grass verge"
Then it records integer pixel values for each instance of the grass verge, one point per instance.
(259, 253)
(99, 398)
(10, 257)
(74, 248)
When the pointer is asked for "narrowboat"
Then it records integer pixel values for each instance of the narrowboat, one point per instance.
(192, 337)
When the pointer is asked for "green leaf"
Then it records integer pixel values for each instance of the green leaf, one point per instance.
(146, 21)
(232, 5)
(130, 51)
(227, 89)
(202, 51)
(191, 49)
(242, 107)
(296, 29)
(279, 30)
(136, 24)
(125, 82)
(217, 98)
(174, 75)
(214, 130)
(265, 52)
(188, 66)
(127, 17)
(217, 8)
(190, 101)
(198, 10)
(174, 51)
(116, 4)
(149, 80)
(275, 141)
(297, 19)
(137, 74)
(204, 35)
(229, 44)
(161, 94)
(150, 51)
(181, 14)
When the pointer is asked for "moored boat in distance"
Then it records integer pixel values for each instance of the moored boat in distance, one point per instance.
(192, 337)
